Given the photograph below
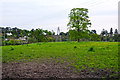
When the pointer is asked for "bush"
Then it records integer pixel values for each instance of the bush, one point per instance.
(111, 40)
(11, 42)
(50, 39)
(18, 42)
(32, 40)
(75, 47)
(12, 48)
(91, 49)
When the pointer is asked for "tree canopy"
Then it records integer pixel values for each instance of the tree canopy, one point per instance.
(78, 23)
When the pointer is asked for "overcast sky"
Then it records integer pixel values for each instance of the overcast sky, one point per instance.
(50, 14)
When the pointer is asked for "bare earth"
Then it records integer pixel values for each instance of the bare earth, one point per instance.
(49, 68)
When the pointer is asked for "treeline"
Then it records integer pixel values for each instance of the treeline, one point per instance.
(16, 36)
(93, 36)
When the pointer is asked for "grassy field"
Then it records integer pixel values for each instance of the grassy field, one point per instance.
(82, 55)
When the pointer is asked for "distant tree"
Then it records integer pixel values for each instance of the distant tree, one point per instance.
(62, 33)
(102, 34)
(94, 37)
(79, 22)
(93, 31)
(32, 30)
(47, 32)
(53, 33)
(14, 32)
(111, 32)
(8, 29)
(116, 35)
(116, 31)
(39, 35)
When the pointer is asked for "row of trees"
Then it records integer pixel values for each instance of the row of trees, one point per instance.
(40, 35)
(37, 35)
(16, 32)
(93, 36)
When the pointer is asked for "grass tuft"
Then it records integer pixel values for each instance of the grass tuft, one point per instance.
(75, 46)
(12, 48)
(91, 49)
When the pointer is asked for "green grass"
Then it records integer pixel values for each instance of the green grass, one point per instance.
(99, 55)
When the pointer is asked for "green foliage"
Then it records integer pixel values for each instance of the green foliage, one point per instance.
(11, 42)
(32, 40)
(5, 42)
(12, 48)
(91, 49)
(75, 47)
(115, 37)
(111, 39)
(75, 33)
(39, 35)
(18, 42)
(94, 37)
(50, 39)
(79, 23)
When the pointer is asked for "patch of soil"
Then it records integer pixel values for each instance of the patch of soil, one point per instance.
(48, 68)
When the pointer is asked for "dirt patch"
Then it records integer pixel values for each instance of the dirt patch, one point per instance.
(48, 68)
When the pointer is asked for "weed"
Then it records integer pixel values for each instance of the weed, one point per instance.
(21, 52)
(75, 47)
(12, 48)
(91, 49)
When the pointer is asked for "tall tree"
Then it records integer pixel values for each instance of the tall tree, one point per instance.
(116, 35)
(79, 22)
(111, 32)
(116, 32)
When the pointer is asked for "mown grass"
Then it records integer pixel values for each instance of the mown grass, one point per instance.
(82, 55)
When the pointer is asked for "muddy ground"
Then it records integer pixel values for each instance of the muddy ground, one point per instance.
(49, 68)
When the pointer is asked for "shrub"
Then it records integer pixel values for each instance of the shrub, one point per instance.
(111, 40)
(12, 48)
(11, 42)
(91, 49)
(50, 39)
(75, 47)
(18, 42)
(32, 40)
